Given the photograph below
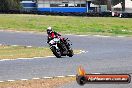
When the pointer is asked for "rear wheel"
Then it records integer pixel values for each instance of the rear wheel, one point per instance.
(56, 52)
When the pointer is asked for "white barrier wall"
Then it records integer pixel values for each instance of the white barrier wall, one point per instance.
(61, 3)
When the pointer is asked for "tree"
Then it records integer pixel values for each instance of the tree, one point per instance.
(115, 2)
(6, 5)
(3, 5)
(100, 2)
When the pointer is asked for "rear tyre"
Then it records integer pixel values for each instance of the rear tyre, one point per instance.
(56, 52)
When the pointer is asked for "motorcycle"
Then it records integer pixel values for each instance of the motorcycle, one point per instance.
(61, 48)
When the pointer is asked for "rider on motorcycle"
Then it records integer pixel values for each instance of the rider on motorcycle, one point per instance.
(63, 44)
(52, 34)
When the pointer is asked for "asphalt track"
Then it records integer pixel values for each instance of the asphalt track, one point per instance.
(105, 55)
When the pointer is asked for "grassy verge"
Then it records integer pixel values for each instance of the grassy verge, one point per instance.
(13, 52)
(42, 83)
(67, 24)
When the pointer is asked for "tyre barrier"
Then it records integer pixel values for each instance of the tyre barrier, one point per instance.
(93, 14)
(126, 15)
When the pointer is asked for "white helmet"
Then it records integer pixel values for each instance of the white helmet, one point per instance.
(49, 28)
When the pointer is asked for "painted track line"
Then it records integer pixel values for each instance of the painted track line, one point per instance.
(38, 57)
(11, 80)
(71, 75)
(35, 78)
(60, 76)
(49, 56)
(24, 58)
(23, 79)
(121, 36)
(47, 77)
(101, 36)
(1, 81)
(14, 45)
(29, 46)
(105, 36)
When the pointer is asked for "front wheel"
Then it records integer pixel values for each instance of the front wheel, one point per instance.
(70, 53)
(56, 52)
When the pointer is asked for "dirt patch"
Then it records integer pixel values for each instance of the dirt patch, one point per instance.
(41, 83)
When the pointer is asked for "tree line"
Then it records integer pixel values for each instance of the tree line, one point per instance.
(113, 2)
(6, 5)
(110, 3)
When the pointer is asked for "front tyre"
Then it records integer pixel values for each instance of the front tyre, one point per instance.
(70, 53)
(56, 52)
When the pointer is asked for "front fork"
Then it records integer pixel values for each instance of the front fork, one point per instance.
(54, 46)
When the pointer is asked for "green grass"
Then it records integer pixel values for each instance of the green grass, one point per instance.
(67, 24)
(14, 52)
